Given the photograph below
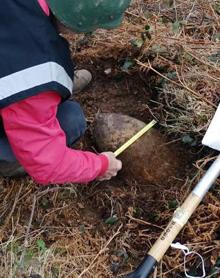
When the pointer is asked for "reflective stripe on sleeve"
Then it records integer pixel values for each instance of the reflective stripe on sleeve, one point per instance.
(34, 76)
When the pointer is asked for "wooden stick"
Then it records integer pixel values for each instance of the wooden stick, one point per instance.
(178, 221)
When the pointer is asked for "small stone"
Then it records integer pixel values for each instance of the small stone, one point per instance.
(108, 71)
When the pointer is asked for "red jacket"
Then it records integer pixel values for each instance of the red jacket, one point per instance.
(39, 143)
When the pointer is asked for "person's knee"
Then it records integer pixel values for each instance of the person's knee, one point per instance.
(72, 120)
(80, 120)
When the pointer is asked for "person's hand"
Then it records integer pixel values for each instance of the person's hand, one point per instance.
(114, 166)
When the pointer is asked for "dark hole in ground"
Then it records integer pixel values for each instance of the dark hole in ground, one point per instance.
(129, 201)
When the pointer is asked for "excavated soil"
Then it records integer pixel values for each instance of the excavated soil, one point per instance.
(105, 228)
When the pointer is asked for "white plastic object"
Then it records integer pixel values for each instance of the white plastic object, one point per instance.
(187, 252)
(212, 136)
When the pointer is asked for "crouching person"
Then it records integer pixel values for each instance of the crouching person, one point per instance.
(39, 123)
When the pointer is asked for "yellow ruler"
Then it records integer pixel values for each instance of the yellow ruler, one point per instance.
(134, 138)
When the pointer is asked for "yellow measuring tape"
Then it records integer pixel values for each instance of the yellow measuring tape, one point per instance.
(134, 138)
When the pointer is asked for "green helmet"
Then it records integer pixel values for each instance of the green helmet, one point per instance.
(89, 15)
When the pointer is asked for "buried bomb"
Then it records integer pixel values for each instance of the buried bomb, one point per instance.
(151, 159)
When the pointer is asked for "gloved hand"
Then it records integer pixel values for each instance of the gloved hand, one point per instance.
(115, 165)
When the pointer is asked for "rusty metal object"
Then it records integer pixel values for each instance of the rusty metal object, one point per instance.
(149, 160)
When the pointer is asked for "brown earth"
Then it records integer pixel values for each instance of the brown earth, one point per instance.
(105, 228)
(135, 202)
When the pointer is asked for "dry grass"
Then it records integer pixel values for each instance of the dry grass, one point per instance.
(180, 57)
(184, 53)
(74, 241)
(50, 233)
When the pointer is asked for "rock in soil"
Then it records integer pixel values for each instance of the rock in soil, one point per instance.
(148, 160)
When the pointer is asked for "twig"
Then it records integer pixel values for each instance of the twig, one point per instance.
(175, 8)
(51, 212)
(181, 84)
(191, 11)
(100, 252)
(213, 274)
(28, 232)
(54, 190)
(215, 15)
(14, 205)
(143, 222)
(176, 267)
(201, 61)
(137, 16)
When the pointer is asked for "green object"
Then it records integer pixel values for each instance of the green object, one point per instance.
(41, 245)
(88, 15)
(111, 220)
